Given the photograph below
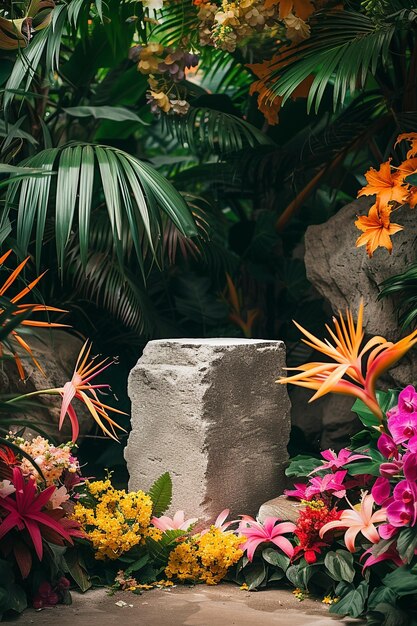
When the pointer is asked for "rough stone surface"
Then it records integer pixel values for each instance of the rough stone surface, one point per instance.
(209, 412)
(57, 353)
(281, 507)
(344, 274)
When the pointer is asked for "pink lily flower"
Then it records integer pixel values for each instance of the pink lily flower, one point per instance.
(221, 522)
(329, 482)
(24, 512)
(357, 520)
(178, 522)
(389, 555)
(268, 532)
(335, 461)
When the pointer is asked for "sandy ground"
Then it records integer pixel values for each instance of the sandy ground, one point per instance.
(224, 605)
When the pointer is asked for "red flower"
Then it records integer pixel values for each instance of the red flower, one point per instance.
(7, 460)
(309, 523)
(23, 511)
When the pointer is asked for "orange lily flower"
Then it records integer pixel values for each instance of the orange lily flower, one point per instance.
(377, 228)
(353, 370)
(78, 387)
(25, 308)
(359, 519)
(385, 184)
(406, 168)
(412, 138)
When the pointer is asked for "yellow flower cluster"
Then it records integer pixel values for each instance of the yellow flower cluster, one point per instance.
(117, 522)
(205, 558)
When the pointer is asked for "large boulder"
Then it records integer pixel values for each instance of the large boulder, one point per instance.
(344, 275)
(209, 412)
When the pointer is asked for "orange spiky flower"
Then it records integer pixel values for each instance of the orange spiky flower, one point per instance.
(353, 370)
(236, 314)
(24, 309)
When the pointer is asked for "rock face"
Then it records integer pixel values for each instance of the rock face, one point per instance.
(209, 412)
(57, 353)
(344, 274)
(282, 507)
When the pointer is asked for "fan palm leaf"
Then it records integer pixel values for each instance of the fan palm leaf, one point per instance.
(344, 48)
(134, 194)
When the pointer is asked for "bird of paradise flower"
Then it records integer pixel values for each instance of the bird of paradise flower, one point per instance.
(81, 388)
(355, 367)
(22, 310)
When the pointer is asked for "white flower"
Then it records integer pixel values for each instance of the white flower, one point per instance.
(6, 488)
(153, 5)
(58, 497)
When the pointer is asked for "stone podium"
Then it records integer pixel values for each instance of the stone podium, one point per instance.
(210, 412)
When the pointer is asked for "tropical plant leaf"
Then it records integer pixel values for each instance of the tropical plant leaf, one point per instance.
(204, 128)
(161, 494)
(344, 48)
(116, 114)
(134, 194)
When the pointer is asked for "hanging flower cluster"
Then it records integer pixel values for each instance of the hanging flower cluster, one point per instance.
(392, 189)
(233, 23)
(165, 67)
(53, 461)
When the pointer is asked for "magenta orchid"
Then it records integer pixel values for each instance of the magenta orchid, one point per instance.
(330, 483)
(336, 461)
(268, 532)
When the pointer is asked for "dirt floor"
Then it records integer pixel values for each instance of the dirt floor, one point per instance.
(224, 605)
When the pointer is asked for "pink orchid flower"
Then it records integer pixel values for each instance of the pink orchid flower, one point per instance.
(357, 520)
(329, 482)
(268, 532)
(387, 446)
(381, 490)
(299, 492)
(178, 522)
(335, 461)
(403, 426)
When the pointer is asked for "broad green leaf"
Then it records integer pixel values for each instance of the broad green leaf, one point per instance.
(116, 113)
(137, 565)
(381, 594)
(161, 494)
(403, 580)
(340, 565)
(77, 569)
(301, 465)
(353, 602)
(407, 543)
(254, 574)
(276, 558)
(411, 179)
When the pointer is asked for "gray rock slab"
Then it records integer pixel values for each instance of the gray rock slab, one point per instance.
(210, 412)
(281, 507)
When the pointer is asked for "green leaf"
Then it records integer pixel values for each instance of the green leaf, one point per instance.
(386, 400)
(17, 598)
(407, 543)
(353, 602)
(114, 113)
(340, 565)
(161, 494)
(137, 565)
(302, 465)
(255, 574)
(276, 558)
(134, 192)
(411, 180)
(403, 580)
(77, 569)
(381, 594)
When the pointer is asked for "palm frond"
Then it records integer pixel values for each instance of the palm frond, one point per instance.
(133, 191)
(403, 287)
(344, 48)
(220, 132)
(177, 20)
